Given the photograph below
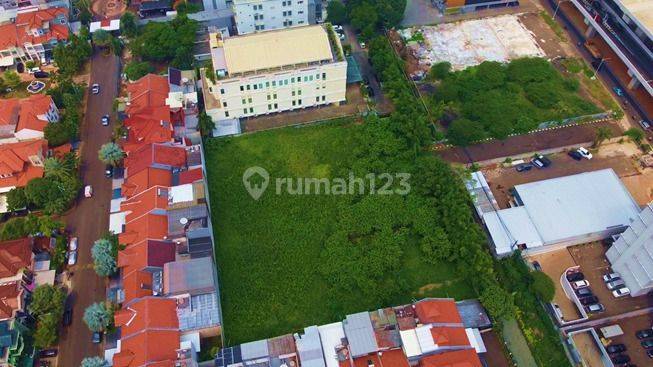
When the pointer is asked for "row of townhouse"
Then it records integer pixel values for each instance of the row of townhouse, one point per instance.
(167, 286)
(22, 268)
(429, 333)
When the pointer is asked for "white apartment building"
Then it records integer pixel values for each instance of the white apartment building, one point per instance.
(275, 71)
(262, 15)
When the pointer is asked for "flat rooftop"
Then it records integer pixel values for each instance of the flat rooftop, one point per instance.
(570, 209)
(274, 49)
(642, 10)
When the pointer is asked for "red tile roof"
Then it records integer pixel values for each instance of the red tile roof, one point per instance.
(10, 299)
(30, 109)
(152, 155)
(149, 253)
(15, 163)
(459, 358)
(449, 336)
(9, 109)
(136, 285)
(190, 176)
(149, 332)
(149, 226)
(21, 32)
(15, 255)
(437, 311)
(154, 199)
(145, 179)
(389, 358)
(148, 91)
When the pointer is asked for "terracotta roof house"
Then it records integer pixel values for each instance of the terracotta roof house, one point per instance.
(149, 226)
(147, 255)
(438, 311)
(148, 91)
(12, 299)
(153, 200)
(144, 179)
(146, 130)
(32, 34)
(163, 156)
(21, 162)
(14, 256)
(462, 358)
(26, 119)
(149, 333)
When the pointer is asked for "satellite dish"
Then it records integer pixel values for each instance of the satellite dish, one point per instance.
(183, 221)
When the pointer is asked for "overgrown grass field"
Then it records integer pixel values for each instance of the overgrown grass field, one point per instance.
(269, 250)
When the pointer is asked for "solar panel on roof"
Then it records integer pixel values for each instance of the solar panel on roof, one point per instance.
(174, 76)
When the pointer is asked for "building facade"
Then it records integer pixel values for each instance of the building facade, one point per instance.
(631, 255)
(262, 15)
(273, 72)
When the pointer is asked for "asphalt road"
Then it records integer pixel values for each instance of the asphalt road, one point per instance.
(89, 219)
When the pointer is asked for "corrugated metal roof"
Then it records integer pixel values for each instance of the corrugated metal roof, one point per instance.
(193, 276)
(360, 334)
(331, 336)
(309, 348)
(254, 350)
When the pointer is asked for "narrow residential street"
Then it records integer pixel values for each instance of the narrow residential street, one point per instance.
(89, 219)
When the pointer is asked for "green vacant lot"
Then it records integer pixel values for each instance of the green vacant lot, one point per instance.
(270, 252)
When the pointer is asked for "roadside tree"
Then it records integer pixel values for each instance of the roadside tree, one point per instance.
(104, 257)
(94, 362)
(111, 153)
(98, 317)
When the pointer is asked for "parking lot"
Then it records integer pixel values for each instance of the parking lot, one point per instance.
(554, 264)
(593, 264)
(630, 326)
(501, 179)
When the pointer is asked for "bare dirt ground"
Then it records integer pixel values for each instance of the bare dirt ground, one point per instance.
(586, 346)
(108, 9)
(630, 326)
(354, 106)
(554, 264)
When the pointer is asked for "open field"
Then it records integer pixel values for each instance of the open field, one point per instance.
(269, 251)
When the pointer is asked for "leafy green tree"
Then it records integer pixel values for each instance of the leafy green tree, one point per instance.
(206, 124)
(47, 299)
(364, 17)
(440, 70)
(98, 317)
(18, 227)
(54, 195)
(84, 7)
(336, 12)
(463, 132)
(111, 153)
(160, 41)
(635, 134)
(95, 361)
(47, 331)
(542, 286)
(104, 258)
(70, 56)
(602, 133)
(136, 70)
(184, 58)
(209, 72)
(128, 25)
(57, 168)
(11, 78)
(102, 38)
(498, 302)
(16, 199)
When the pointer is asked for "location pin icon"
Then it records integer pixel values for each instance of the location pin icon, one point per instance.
(256, 189)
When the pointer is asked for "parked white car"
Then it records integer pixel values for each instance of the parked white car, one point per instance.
(72, 245)
(88, 191)
(584, 152)
(615, 284)
(580, 284)
(621, 292)
(610, 277)
(72, 258)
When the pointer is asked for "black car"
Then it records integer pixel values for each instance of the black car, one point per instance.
(588, 300)
(616, 348)
(97, 338)
(621, 358)
(524, 167)
(647, 343)
(108, 171)
(584, 292)
(643, 334)
(576, 276)
(575, 155)
(41, 74)
(649, 353)
(68, 316)
(47, 353)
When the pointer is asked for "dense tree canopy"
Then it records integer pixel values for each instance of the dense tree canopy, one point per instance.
(543, 286)
(368, 16)
(98, 317)
(111, 153)
(138, 69)
(70, 56)
(336, 12)
(104, 257)
(18, 227)
(160, 41)
(47, 307)
(128, 25)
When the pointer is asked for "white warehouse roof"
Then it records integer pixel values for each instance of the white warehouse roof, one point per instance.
(572, 209)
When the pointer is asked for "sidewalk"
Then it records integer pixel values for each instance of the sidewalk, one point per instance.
(517, 345)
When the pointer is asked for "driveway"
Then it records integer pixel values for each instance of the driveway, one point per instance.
(89, 220)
